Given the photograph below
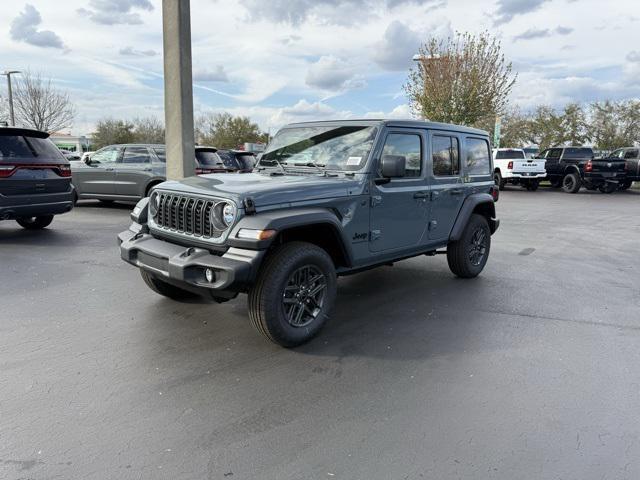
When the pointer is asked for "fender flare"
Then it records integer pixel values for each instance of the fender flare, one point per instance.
(281, 220)
(469, 205)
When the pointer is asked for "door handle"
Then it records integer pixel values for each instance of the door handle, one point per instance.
(147, 169)
(420, 195)
(109, 169)
(456, 191)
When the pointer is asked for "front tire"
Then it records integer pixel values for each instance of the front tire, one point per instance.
(500, 183)
(294, 294)
(35, 223)
(533, 185)
(608, 187)
(625, 185)
(571, 183)
(165, 289)
(468, 256)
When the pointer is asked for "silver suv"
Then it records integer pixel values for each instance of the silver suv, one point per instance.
(128, 172)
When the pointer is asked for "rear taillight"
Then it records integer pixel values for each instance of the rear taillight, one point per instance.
(7, 170)
(203, 171)
(589, 166)
(64, 170)
(510, 166)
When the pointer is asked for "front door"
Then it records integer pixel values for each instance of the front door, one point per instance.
(98, 178)
(133, 171)
(399, 208)
(447, 187)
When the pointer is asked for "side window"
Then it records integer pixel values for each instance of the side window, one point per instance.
(478, 162)
(407, 145)
(554, 154)
(136, 155)
(445, 155)
(630, 154)
(161, 153)
(106, 155)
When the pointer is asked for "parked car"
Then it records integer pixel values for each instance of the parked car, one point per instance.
(511, 165)
(70, 155)
(326, 199)
(238, 160)
(631, 157)
(605, 174)
(128, 172)
(565, 166)
(35, 178)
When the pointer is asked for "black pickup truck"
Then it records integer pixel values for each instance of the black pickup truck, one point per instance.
(565, 166)
(631, 156)
(606, 174)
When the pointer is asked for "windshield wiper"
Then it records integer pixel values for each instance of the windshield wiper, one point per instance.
(277, 162)
(311, 164)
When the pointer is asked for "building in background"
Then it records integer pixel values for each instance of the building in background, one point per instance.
(71, 143)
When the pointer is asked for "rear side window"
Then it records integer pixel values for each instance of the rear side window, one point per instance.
(136, 155)
(631, 154)
(576, 153)
(19, 146)
(445, 155)
(208, 157)
(228, 159)
(554, 154)
(408, 146)
(509, 155)
(161, 153)
(478, 161)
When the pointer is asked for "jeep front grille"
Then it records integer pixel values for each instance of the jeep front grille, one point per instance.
(184, 214)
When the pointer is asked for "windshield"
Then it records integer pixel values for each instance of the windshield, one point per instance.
(337, 148)
(509, 154)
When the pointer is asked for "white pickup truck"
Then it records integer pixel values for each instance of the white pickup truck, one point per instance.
(510, 165)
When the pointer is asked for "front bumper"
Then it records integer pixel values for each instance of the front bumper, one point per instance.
(185, 266)
(35, 205)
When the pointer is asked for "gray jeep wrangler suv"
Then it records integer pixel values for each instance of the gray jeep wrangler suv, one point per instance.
(326, 199)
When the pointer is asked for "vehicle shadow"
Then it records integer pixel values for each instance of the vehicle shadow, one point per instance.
(14, 234)
(404, 312)
(105, 205)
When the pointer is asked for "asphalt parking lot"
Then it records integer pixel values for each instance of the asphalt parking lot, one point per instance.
(529, 371)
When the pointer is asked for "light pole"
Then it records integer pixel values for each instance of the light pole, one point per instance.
(8, 73)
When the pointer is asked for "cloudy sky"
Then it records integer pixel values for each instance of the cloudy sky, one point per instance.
(289, 60)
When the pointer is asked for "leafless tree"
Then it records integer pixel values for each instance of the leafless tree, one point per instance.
(464, 80)
(40, 105)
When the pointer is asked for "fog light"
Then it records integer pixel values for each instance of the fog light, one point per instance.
(210, 274)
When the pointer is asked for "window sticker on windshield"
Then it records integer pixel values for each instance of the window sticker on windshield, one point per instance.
(354, 160)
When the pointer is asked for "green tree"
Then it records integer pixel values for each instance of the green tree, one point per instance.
(223, 130)
(464, 80)
(614, 124)
(109, 132)
(574, 125)
(148, 130)
(516, 129)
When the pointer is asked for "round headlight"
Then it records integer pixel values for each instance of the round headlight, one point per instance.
(228, 214)
(153, 204)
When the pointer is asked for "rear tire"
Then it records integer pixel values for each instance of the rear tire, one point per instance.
(625, 185)
(468, 256)
(571, 183)
(533, 185)
(165, 289)
(500, 183)
(35, 223)
(294, 294)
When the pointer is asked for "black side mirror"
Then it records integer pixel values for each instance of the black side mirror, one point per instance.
(394, 166)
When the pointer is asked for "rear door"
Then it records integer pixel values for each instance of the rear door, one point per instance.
(552, 163)
(31, 164)
(98, 178)
(447, 188)
(399, 208)
(133, 171)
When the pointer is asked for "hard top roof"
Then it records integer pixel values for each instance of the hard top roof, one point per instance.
(393, 123)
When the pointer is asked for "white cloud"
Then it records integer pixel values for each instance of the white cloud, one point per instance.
(24, 28)
(132, 52)
(507, 9)
(114, 12)
(217, 75)
(333, 74)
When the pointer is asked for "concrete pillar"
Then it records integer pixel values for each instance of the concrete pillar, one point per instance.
(178, 90)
